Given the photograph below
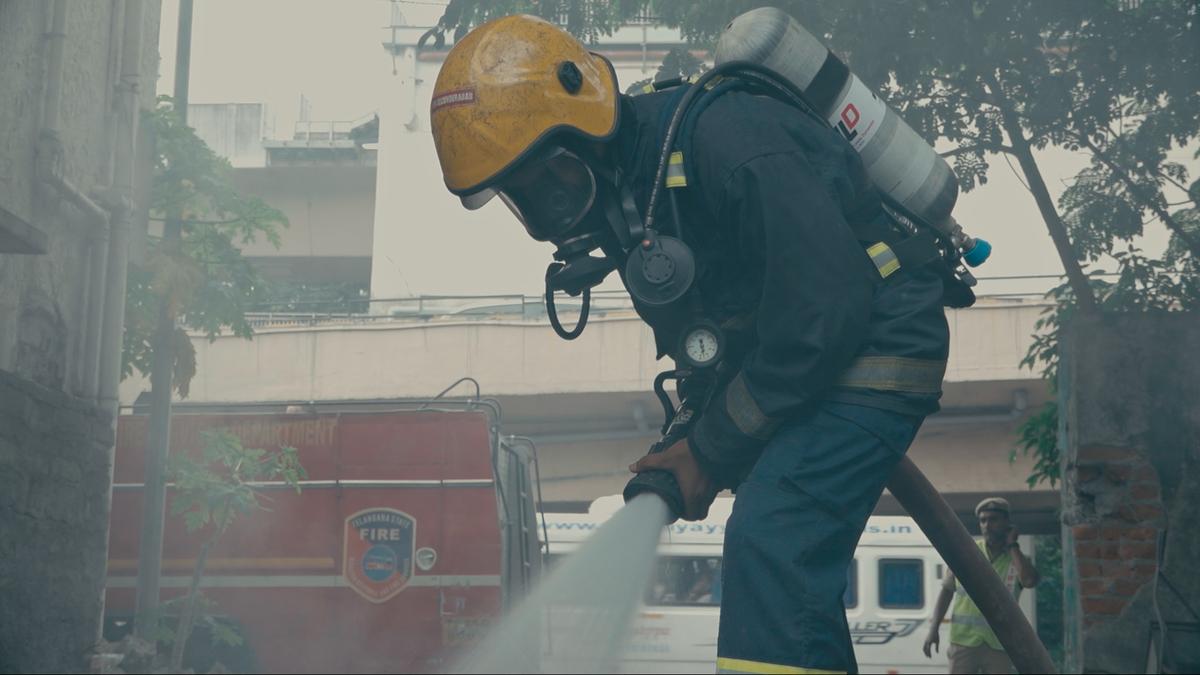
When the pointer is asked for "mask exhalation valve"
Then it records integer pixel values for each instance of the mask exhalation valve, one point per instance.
(660, 270)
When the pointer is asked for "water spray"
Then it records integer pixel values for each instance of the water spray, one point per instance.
(577, 620)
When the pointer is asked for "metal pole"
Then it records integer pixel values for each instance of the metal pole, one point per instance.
(947, 534)
(125, 174)
(158, 441)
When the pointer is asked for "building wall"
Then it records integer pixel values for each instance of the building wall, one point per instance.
(588, 403)
(54, 439)
(329, 200)
(330, 209)
(54, 482)
(234, 131)
(1131, 395)
(511, 355)
(41, 308)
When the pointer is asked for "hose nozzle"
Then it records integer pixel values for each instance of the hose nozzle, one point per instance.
(660, 483)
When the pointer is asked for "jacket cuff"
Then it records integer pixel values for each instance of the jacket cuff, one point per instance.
(724, 453)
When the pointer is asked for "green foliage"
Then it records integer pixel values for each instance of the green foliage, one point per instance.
(1050, 618)
(211, 492)
(1062, 72)
(586, 19)
(1143, 284)
(1039, 437)
(1180, 253)
(1097, 214)
(214, 490)
(678, 62)
(220, 631)
(203, 279)
(964, 72)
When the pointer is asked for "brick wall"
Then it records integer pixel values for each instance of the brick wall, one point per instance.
(1130, 415)
(1116, 546)
(54, 480)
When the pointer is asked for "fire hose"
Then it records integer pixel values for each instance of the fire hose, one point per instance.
(947, 534)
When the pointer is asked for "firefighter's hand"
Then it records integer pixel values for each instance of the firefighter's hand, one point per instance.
(697, 490)
(934, 640)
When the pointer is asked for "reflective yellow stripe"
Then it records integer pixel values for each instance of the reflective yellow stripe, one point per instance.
(744, 666)
(884, 258)
(675, 175)
(745, 413)
(894, 373)
(648, 88)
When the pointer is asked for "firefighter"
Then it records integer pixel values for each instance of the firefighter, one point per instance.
(833, 356)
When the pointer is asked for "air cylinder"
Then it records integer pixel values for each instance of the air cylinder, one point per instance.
(897, 159)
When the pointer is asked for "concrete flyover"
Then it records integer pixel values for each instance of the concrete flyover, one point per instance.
(587, 404)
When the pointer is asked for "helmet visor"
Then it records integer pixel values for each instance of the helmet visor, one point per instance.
(550, 195)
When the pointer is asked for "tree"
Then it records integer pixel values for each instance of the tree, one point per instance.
(195, 276)
(1049, 601)
(203, 279)
(1170, 284)
(678, 62)
(211, 494)
(1113, 78)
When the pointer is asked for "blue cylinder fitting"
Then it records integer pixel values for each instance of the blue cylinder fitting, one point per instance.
(978, 253)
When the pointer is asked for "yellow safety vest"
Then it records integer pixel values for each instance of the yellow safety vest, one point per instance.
(968, 628)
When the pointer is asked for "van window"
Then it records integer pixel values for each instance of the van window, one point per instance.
(901, 583)
(850, 597)
(680, 581)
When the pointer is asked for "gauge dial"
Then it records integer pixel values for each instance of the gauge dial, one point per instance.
(701, 346)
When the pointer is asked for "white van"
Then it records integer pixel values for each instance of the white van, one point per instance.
(893, 584)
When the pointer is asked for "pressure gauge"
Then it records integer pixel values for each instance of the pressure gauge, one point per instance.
(702, 345)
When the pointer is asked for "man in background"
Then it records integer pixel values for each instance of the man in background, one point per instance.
(973, 646)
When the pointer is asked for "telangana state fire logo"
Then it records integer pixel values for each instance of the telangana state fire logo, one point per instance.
(377, 561)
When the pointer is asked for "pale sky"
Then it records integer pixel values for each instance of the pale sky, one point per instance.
(273, 51)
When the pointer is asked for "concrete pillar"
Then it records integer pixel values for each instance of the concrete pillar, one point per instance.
(1130, 415)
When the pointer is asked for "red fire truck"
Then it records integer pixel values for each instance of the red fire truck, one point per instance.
(411, 534)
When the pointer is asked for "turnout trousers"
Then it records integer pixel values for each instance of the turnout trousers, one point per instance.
(796, 521)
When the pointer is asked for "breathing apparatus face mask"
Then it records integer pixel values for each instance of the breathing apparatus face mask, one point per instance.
(578, 202)
(610, 235)
(551, 194)
(556, 194)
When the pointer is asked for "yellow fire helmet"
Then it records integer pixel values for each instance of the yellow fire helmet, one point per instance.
(505, 87)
